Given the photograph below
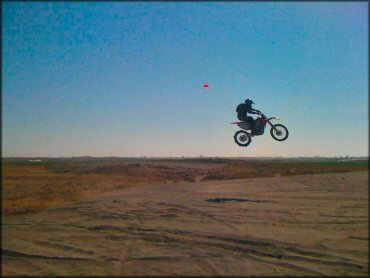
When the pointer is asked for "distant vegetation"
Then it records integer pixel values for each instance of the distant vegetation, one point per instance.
(251, 169)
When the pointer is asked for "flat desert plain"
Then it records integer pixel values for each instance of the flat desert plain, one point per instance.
(185, 217)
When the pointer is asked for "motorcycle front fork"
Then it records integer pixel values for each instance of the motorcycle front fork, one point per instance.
(271, 125)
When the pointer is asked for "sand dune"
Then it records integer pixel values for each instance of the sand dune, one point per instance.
(296, 225)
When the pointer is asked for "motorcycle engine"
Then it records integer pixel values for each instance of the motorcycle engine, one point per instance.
(259, 128)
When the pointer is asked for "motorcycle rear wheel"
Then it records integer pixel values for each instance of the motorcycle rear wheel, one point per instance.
(242, 138)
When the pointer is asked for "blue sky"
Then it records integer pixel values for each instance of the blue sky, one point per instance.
(124, 78)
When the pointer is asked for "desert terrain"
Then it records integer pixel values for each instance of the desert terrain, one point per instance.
(99, 217)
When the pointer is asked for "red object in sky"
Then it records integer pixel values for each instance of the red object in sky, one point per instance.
(206, 86)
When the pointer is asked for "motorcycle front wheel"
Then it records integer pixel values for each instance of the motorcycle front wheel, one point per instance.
(279, 132)
(242, 138)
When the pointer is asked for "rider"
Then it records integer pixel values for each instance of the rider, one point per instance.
(244, 108)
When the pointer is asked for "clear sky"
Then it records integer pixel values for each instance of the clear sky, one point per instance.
(124, 78)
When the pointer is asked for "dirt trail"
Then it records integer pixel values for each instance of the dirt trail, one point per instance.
(300, 225)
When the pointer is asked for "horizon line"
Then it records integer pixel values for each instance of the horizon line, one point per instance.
(200, 156)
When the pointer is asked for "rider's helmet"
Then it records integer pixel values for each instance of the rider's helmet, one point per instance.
(249, 102)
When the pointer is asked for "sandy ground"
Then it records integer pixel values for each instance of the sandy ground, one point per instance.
(297, 225)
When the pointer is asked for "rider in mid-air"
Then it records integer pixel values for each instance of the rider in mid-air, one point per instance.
(244, 108)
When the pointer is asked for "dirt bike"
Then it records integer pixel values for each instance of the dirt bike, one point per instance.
(244, 137)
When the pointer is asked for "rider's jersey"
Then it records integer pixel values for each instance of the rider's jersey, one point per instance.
(243, 109)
